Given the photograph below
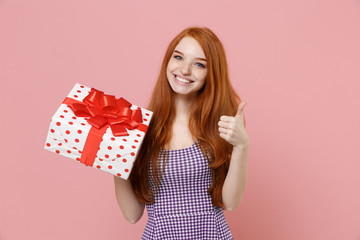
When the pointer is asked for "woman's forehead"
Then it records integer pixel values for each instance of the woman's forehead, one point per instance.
(191, 47)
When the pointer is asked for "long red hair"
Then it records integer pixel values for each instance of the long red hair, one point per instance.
(216, 98)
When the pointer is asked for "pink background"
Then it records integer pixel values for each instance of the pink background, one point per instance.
(296, 62)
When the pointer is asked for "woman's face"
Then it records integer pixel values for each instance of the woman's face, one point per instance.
(187, 67)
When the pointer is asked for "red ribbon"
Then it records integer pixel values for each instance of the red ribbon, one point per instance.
(104, 110)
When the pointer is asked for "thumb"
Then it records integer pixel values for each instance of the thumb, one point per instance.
(241, 107)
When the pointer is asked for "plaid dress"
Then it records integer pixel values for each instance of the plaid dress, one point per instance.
(182, 208)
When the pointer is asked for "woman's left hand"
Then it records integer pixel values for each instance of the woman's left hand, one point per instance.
(232, 129)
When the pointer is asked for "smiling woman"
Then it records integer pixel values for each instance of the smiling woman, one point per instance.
(185, 73)
(192, 162)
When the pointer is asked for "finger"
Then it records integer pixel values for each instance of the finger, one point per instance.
(224, 130)
(240, 112)
(241, 107)
(225, 118)
(224, 136)
(228, 125)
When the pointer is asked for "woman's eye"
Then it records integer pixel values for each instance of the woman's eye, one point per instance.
(198, 64)
(201, 65)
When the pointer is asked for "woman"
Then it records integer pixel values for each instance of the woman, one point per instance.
(193, 160)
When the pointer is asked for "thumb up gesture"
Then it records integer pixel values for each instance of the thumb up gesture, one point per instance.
(232, 128)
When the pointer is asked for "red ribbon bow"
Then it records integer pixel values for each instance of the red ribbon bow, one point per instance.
(103, 109)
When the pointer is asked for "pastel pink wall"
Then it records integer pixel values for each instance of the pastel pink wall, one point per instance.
(296, 62)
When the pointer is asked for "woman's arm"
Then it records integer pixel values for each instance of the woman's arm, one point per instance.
(235, 181)
(232, 129)
(131, 208)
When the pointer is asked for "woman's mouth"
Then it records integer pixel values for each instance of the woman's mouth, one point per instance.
(182, 81)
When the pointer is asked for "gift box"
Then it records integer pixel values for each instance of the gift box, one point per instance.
(98, 130)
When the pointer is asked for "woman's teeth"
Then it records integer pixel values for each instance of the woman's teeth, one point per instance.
(182, 80)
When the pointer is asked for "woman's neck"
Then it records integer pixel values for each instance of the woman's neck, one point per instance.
(182, 105)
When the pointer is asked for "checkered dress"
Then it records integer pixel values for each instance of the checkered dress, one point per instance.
(182, 208)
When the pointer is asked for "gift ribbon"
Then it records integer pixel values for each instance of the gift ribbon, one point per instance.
(101, 111)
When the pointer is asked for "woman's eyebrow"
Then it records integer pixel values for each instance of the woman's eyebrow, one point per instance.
(203, 59)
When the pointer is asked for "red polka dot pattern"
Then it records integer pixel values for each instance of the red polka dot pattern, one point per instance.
(68, 133)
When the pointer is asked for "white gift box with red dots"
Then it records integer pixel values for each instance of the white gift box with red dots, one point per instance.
(68, 133)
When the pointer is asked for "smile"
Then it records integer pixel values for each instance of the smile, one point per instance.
(180, 79)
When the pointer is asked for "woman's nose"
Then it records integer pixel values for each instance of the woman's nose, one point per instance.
(185, 69)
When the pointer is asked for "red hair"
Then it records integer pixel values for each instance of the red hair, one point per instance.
(216, 98)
